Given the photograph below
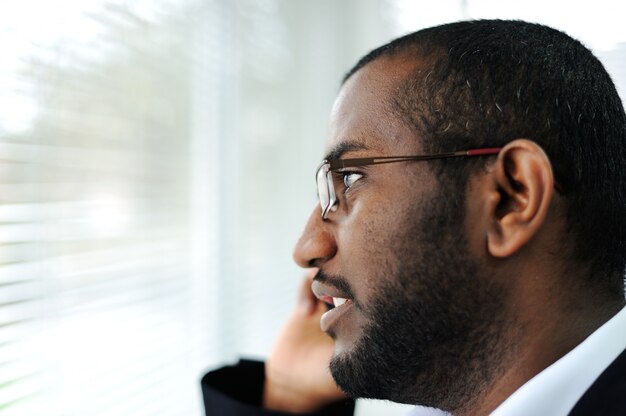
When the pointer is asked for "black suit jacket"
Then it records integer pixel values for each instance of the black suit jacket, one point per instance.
(607, 395)
(237, 391)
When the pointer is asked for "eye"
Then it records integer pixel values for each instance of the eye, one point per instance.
(349, 178)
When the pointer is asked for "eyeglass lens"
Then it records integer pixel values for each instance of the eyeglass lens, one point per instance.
(325, 189)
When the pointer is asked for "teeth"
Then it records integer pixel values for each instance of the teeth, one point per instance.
(339, 301)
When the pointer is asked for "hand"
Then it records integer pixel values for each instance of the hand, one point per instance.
(297, 378)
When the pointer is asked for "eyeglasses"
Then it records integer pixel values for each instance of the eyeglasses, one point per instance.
(326, 187)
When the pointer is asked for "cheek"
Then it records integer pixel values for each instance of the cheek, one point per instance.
(366, 243)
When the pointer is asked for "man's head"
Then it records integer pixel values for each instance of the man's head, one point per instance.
(436, 256)
(493, 81)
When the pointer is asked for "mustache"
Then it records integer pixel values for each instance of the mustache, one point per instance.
(336, 281)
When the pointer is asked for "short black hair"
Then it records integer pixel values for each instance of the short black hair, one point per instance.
(488, 82)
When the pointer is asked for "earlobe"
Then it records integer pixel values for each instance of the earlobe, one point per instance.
(521, 192)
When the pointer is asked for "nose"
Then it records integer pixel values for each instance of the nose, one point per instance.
(317, 243)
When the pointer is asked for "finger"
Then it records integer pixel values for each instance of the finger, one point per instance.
(306, 299)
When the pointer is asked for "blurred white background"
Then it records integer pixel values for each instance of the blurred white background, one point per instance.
(156, 166)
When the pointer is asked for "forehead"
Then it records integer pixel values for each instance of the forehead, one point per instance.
(363, 115)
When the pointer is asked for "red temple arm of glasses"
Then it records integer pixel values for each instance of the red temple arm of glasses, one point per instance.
(485, 151)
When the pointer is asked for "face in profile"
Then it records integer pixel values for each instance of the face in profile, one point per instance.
(419, 319)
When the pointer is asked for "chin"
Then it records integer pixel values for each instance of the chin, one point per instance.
(354, 372)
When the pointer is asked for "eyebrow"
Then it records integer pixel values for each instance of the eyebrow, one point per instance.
(340, 149)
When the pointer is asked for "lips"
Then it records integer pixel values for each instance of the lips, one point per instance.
(332, 317)
(338, 302)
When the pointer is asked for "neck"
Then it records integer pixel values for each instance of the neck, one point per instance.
(548, 329)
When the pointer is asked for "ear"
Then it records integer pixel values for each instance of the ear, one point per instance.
(521, 192)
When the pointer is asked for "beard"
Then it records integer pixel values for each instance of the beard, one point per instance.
(434, 331)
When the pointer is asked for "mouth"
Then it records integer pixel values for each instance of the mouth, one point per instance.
(333, 302)
(337, 303)
(340, 307)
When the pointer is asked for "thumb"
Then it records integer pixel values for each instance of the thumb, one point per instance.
(307, 302)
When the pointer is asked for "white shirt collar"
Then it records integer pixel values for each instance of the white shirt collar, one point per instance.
(556, 389)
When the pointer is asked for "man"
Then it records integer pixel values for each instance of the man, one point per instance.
(471, 236)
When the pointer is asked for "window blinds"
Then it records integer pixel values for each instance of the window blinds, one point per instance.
(95, 286)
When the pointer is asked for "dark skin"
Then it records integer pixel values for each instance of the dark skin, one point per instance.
(515, 230)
